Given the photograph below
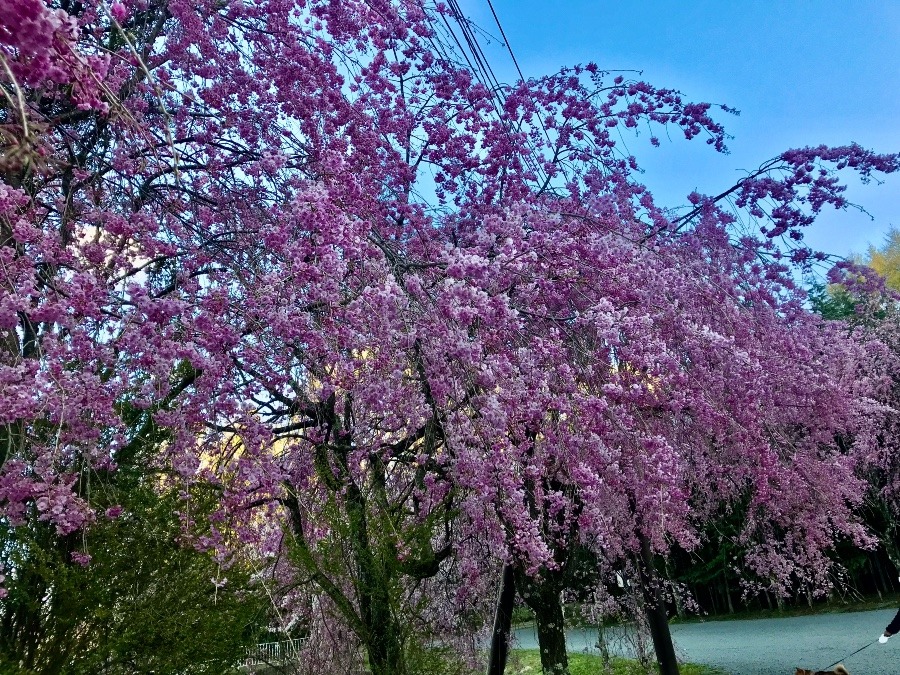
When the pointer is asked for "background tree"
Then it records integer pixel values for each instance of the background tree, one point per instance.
(130, 594)
(885, 259)
(862, 296)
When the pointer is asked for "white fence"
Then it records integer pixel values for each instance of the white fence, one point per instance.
(273, 652)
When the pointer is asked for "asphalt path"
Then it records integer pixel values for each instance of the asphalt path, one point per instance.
(765, 646)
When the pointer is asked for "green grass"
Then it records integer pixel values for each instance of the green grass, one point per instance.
(528, 662)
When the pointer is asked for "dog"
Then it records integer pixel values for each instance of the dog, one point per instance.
(838, 670)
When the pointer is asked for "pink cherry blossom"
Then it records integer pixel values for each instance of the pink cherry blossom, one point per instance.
(408, 327)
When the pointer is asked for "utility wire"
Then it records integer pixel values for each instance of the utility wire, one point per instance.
(515, 61)
(505, 40)
(485, 74)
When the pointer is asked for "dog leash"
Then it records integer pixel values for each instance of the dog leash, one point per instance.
(853, 654)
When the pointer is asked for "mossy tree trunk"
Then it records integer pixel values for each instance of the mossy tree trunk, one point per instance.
(372, 523)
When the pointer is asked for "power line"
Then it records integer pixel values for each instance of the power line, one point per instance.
(480, 70)
(489, 79)
(469, 50)
(506, 40)
(475, 47)
(521, 75)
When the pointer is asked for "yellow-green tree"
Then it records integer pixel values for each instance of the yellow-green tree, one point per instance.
(885, 259)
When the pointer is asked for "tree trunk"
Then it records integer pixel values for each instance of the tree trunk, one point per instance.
(889, 541)
(502, 622)
(727, 593)
(382, 635)
(542, 597)
(886, 581)
(375, 623)
(385, 655)
(878, 580)
(657, 618)
(712, 600)
(552, 636)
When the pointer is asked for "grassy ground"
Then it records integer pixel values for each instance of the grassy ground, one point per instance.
(528, 662)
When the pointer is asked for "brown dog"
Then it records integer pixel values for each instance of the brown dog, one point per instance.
(838, 670)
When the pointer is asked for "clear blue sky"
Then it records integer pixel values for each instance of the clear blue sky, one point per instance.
(801, 73)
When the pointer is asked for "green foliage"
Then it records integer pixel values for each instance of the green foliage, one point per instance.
(145, 603)
(832, 302)
(522, 614)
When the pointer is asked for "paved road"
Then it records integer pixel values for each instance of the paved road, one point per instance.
(769, 646)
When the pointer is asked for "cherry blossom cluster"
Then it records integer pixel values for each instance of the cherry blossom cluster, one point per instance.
(40, 48)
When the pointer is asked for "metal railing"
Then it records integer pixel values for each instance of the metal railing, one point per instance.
(274, 652)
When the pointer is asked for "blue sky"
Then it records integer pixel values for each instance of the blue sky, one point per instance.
(801, 73)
